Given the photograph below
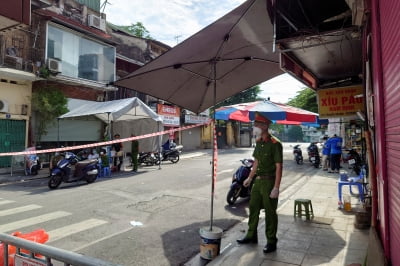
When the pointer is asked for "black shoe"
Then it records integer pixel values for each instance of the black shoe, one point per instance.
(247, 240)
(269, 248)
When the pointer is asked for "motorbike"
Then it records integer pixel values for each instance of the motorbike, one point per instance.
(354, 160)
(313, 155)
(298, 154)
(170, 153)
(147, 158)
(69, 169)
(237, 188)
(32, 162)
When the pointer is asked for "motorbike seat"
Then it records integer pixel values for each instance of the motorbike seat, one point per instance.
(87, 161)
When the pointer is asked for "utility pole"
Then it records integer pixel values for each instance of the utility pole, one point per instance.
(104, 4)
(177, 38)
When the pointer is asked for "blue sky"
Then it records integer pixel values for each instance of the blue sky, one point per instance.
(172, 21)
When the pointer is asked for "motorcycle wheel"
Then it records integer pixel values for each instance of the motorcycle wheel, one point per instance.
(91, 178)
(174, 158)
(157, 160)
(34, 170)
(233, 195)
(55, 181)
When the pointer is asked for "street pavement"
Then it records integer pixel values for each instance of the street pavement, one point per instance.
(330, 238)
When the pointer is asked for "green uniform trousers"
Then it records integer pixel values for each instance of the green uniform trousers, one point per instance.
(135, 162)
(260, 199)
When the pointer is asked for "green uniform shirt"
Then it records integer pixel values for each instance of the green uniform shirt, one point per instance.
(135, 146)
(268, 153)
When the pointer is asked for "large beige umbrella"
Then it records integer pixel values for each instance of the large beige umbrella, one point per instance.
(231, 55)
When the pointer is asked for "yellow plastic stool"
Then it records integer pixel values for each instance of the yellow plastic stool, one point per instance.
(299, 211)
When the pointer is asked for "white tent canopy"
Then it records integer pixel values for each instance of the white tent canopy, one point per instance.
(126, 117)
(118, 110)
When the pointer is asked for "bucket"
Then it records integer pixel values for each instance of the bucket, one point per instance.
(347, 203)
(210, 243)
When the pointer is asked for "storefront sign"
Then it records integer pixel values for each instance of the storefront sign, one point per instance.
(338, 102)
(168, 120)
(194, 119)
(169, 114)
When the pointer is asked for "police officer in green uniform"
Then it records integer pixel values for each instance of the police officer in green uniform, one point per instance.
(267, 171)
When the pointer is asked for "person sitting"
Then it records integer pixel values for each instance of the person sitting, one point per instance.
(166, 146)
(93, 154)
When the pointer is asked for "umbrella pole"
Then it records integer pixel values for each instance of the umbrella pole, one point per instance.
(214, 154)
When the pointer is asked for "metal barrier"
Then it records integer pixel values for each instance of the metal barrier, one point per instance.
(64, 256)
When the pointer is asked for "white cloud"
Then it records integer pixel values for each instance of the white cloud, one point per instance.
(169, 20)
(281, 88)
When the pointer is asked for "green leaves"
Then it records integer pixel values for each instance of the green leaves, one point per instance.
(48, 103)
(305, 99)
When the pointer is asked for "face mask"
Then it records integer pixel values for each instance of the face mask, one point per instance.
(257, 131)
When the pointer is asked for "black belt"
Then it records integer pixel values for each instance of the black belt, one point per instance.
(270, 177)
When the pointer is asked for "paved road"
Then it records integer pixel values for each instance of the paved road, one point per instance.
(150, 218)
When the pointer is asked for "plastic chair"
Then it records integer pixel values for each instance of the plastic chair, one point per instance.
(344, 180)
(299, 211)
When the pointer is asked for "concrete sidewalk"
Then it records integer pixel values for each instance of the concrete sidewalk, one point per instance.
(331, 238)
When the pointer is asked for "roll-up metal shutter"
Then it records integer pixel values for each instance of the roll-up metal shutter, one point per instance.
(390, 36)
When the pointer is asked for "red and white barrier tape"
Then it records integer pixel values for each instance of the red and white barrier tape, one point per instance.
(105, 143)
(215, 156)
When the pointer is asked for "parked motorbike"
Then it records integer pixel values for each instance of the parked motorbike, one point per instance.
(147, 158)
(32, 162)
(298, 154)
(237, 188)
(313, 155)
(354, 160)
(69, 169)
(169, 154)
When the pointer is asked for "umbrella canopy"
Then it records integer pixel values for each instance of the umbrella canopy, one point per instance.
(277, 112)
(231, 55)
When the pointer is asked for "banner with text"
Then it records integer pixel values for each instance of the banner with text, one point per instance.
(343, 101)
(169, 114)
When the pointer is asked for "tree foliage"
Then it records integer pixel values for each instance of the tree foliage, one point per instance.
(295, 133)
(137, 29)
(49, 103)
(249, 95)
(305, 99)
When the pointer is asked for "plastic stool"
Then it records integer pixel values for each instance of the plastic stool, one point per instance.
(299, 211)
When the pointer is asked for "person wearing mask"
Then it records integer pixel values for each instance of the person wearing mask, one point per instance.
(118, 158)
(134, 153)
(267, 171)
(336, 152)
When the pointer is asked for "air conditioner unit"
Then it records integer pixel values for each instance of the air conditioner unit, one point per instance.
(3, 106)
(97, 22)
(54, 65)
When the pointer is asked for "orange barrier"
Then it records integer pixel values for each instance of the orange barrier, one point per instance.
(38, 236)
